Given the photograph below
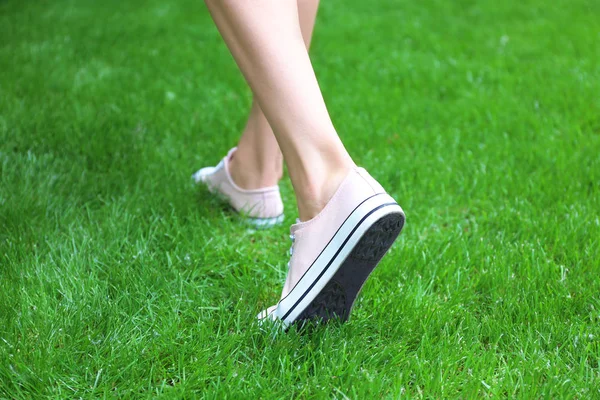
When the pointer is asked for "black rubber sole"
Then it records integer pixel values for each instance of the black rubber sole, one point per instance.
(336, 299)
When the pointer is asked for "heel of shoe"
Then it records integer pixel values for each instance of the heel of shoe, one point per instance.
(375, 186)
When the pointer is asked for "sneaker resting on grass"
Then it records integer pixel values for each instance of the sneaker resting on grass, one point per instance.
(333, 254)
(262, 208)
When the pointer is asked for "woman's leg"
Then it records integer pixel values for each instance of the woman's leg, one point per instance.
(258, 162)
(266, 41)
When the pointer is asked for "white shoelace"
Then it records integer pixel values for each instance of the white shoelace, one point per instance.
(293, 238)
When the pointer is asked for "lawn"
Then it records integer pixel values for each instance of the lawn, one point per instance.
(119, 278)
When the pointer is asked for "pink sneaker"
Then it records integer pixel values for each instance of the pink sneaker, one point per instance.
(261, 207)
(333, 254)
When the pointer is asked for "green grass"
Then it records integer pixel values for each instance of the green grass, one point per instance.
(118, 278)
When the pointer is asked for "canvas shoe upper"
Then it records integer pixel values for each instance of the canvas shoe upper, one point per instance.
(262, 207)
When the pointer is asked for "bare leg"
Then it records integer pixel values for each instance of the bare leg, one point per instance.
(258, 162)
(266, 41)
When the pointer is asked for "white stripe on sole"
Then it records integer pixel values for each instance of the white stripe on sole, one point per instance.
(262, 223)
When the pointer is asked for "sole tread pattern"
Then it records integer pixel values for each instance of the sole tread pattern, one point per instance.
(336, 299)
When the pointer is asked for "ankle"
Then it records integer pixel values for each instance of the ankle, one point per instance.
(319, 189)
(254, 175)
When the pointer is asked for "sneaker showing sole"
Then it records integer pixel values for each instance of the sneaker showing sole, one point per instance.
(330, 286)
(337, 298)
